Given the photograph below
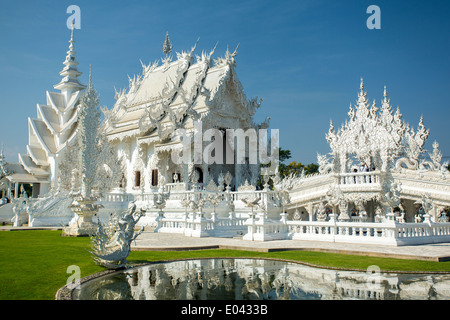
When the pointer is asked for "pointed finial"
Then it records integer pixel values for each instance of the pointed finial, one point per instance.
(90, 78)
(361, 86)
(195, 45)
(214, 49)
(235, 50)
(72, 40)
(167, 46)
(71, 32)
(435, 145)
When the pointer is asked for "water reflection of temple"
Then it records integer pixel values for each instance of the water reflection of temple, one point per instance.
(243, 279)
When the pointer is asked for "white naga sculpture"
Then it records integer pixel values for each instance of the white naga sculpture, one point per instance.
(112, 242)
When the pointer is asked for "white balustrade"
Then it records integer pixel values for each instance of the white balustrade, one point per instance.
(258, 227)
(118, 197)
(353, 178)
(389, 233)
(198, 226)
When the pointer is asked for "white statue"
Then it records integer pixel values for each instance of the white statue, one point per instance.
(321, 212)
(443, 216)
(111, 244)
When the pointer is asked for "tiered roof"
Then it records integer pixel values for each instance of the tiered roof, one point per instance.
(56, 122)
(170, 95)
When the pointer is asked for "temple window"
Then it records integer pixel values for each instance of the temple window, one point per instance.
(137, 179)
(154, 177)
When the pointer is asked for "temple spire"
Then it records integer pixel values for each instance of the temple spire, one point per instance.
(2, 155)
(90, 85)
(363, 103)
(167, 46)
(72, 41)
(386, 101)
(70, 83)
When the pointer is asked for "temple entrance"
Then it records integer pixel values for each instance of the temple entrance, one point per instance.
(200, 174)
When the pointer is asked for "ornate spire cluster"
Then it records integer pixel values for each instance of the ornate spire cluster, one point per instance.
(375, 136)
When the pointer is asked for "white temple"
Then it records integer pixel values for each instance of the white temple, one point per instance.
(176, 95)
(377, 185)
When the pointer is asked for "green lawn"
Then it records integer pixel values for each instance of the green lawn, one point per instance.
(33, 264)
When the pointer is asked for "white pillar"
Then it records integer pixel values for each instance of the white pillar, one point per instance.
(310, 211)
(237, 175)
(205, 167)
(16, 190)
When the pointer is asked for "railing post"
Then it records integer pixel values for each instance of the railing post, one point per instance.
(285, 227)
(250, 223)
(332, 222)
(283, 217)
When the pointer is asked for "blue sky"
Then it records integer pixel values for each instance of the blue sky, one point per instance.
(304, 58)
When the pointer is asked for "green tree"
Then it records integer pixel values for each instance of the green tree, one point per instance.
(285, 170)
(312, 168)
(296, 168)
(283, 156)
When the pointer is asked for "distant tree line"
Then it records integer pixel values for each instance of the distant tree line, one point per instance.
(294, 167)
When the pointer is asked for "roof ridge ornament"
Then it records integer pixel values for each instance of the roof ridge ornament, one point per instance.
(228, 59)
(2, 151)
(386, 100)
(195, 46)
(167, 46)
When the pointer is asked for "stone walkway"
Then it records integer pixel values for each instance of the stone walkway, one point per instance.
(11, 228)
(149, 240)
(164, 241)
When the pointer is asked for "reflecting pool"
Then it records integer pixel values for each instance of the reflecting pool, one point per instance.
(258, 279)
